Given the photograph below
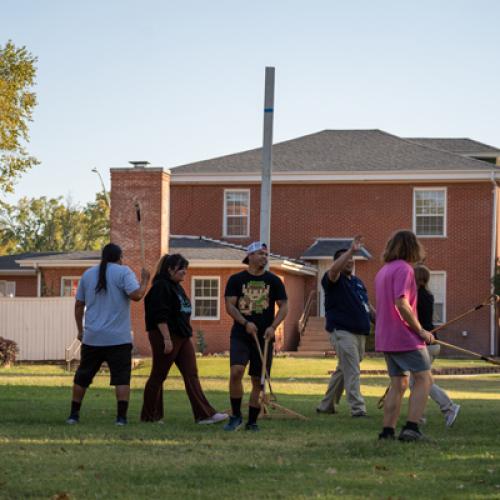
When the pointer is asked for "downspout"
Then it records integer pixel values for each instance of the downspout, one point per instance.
(38, 281)
(493, 263)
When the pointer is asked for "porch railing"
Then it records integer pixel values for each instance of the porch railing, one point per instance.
(304, 317)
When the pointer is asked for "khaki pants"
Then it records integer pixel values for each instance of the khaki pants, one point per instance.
(350, 350)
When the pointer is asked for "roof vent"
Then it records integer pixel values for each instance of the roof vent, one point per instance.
(139, 164)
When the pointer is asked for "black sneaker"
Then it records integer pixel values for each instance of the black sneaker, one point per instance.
(252, 427)
(73, 419)
(235, 422)
(120, 421)
(409, 435)
(390, 437)
(326, 412)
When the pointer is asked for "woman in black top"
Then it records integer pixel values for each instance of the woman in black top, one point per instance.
(425, 311)
(168, 312)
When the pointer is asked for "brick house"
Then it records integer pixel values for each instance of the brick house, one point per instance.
(327, 187)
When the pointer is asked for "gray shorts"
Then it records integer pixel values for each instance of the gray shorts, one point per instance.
(400, 364)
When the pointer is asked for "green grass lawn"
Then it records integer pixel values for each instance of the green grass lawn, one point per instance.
(325, 457)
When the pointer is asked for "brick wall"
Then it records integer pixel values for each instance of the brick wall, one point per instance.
(302, 213)
(150, 187)
(25, 285)
(51, 279)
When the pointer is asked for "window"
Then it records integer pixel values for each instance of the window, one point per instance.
(205, 292)
(429, 211)
(69, 285)
(236, 213)
(437, 286)
(7, 288)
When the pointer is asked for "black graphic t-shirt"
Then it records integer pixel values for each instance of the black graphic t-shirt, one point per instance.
(256, 298)
(167, 302)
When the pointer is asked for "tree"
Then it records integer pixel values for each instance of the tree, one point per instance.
(17, 101)
(49, 224)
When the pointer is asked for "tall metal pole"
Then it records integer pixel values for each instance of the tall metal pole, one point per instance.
(267, 160)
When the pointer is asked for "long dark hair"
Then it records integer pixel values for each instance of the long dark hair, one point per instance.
(110, 253)
(168, 262)
(404, 245)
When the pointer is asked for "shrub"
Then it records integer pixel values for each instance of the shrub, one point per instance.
(8, 350)
(201, 344)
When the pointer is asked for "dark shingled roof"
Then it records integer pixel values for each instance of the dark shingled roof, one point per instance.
(339, 151)
(202, 248)
(326, 247)
(462, 146)
(192, 247)
(8, 262)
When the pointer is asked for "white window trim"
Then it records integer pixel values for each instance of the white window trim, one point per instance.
(68, 278)
(443, 273)
(224, 215)
(11, 284)
(205, 318)
(445, 215)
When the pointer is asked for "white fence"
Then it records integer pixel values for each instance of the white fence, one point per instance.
(42, 327)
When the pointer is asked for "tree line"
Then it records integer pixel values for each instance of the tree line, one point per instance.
(53, 224)
(36, 224)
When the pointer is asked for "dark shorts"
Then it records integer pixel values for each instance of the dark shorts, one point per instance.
(400, 364)
(243, 350)
(118, 358)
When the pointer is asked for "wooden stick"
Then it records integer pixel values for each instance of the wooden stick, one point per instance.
(472, 353)
(141, 233)
(268, 378)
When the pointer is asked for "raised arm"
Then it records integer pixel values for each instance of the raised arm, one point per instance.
(138, 294)
(340, 263)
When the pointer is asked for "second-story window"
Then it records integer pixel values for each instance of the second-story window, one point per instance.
(237, 213)
(429, 212)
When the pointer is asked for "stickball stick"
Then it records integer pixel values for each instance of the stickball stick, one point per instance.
(141, 232)
(264, 366)
(472, 353)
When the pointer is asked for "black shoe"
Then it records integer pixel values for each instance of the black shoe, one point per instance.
(325, 412)
(390, 437)
(73, 419)
(409, 435)
(360, 414)
(252, 427)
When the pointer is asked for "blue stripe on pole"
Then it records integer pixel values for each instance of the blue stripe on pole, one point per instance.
(268, 110)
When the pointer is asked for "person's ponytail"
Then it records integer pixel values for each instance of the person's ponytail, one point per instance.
(110, 253)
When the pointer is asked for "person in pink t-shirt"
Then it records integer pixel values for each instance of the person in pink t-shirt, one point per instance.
(400, 336)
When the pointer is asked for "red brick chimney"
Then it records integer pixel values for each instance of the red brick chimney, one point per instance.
(150, 186)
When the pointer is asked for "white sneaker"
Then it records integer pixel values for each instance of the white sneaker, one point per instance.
(451, 415)
(214, 419)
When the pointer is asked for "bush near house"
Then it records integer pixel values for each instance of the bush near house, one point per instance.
(8, 350)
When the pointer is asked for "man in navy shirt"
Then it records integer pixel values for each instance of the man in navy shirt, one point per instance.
(348, 314)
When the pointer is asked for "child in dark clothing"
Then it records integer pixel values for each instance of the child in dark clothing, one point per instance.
(425, 311)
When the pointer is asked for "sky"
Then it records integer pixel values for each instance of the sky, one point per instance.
(173, 82)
